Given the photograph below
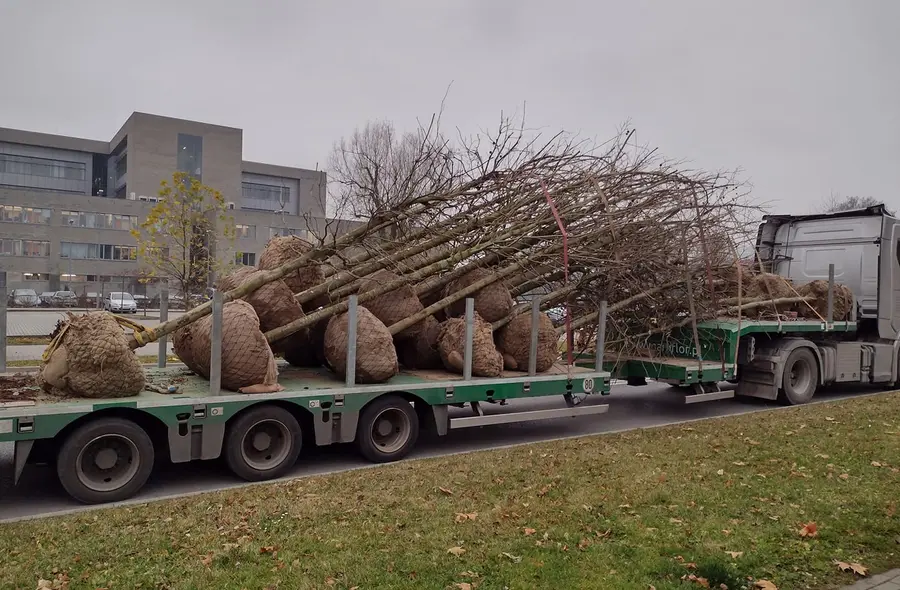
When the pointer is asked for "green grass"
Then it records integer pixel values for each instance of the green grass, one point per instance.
(27, 340)
(723, 500)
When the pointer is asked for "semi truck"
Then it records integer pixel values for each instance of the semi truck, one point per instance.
(790, 359)
(104, 450)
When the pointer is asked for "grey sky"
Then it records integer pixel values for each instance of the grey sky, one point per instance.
(804, 96)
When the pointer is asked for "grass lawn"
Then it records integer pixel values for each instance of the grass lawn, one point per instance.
(777, 497)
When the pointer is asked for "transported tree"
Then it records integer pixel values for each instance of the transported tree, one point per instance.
(834, 203)
(179, 237)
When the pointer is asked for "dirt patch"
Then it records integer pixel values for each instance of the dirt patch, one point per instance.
(18, 387)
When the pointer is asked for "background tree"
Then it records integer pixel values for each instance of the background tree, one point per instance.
(835, 203)
(377, 168)
(179, 238)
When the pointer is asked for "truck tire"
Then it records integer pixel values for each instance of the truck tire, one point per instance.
(263, 443)
(388, 429)
(800, 378)
(105, 460)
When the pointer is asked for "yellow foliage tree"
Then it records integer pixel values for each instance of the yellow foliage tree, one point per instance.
(179, 237)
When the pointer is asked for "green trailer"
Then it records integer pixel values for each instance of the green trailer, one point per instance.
(104, 450)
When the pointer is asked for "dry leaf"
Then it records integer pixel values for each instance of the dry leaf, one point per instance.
(464, 516)
(856, 568)
(457, 551)
(267, 549)
(584, 544)
(809, 530)
(544, 490)
(511, 557)
(529, 532)
(702, 582)
(844, 476)
(446, 491)
(720, 472)
(207, 559)
(765, 585)
(735, 554)
(829, 418)
(463, 586)
(876, 464)
(330, 581)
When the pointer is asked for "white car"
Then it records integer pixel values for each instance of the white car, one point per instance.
(118, 302)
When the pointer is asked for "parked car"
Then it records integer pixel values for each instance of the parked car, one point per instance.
(142, 301)
(47, 298)
(119, 302)
(24, 298)
(65, 299)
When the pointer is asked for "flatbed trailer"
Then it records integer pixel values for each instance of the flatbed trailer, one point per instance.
(105, 449)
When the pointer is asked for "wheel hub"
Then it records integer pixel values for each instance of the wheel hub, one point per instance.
(106, 459)
(384, 427)
(266, 444)
(262, 441)
(107, 463)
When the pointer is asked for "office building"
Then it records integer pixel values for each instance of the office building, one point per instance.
(67, 204)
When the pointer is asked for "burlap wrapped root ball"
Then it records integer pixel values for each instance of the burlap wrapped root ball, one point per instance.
(376, 358)
(306, 349)
(273, 303)
(492, 302)
(486, 359)
(770, 286)
(421, 352)
(93, 360)
(282, 249)
(393, 306)
(842, 301)
(514, 343)
(247, 359)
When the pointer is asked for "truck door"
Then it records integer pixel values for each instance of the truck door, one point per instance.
(889, 280)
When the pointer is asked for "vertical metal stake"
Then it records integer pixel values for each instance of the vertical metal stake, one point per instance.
(470, 334)
(215, 353)
(3, 321)
(352, 319)
(163, 317)
(830, 316)
(535, 325)
(601, 337)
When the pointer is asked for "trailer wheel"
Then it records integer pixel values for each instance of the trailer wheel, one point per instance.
(105, 460)
(800, 378)
(388, 429)
(263, 443)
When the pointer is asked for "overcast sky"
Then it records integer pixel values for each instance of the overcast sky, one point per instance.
(803, 96)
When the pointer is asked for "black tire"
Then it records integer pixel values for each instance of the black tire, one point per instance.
(800, 378)
(388, 429)
(83, 462)
(263, 443)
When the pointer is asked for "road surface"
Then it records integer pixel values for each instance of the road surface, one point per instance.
(39, 493)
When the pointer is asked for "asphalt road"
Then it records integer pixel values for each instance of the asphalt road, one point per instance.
(39, 493)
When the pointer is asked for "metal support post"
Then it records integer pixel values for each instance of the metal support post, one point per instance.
(215, 353)
(830, 316)
(601, 337)
(3, 297)
(163, 317)
(535, 325)
(352, 320)
(470, 334)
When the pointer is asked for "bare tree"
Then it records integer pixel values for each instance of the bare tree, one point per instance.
(835, 203)
(377, 168)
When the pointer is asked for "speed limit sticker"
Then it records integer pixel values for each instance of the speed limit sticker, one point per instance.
(588, 385)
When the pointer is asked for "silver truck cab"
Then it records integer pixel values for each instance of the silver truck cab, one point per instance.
(863, 245)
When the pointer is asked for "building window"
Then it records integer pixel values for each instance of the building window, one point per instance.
(45, 167)
(80, 251)
(14, 214)
(275, 232)
(245, 259)
(99, 220)
(121, 167)
(33, 248)
(245, 231)
(35, 276)
(190, 155)
(265, 192)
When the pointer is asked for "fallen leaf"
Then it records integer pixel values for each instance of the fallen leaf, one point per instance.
(765, 585)
(511, 557)
(876, 464)
(829, 418)
(446, 491)
(457, 551)
(738, 463)
(856, 568)
(809, 530)
(463, 586)
(702, 582)
(584, 544)
(464, 516)
(844, 476)
(544, 490)
(207, 559)
(267, 549)
(720, 472)
(735, 554)
(330, 581)
(529, 532)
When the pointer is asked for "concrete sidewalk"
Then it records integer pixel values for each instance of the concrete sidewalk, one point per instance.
(886, 581)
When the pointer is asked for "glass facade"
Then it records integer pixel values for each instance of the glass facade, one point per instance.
(264, 197)
(99, 220)
(245, 259)
(43, 173)
(16, 247)
(190, 155)
(80, 251)
(16, 214)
